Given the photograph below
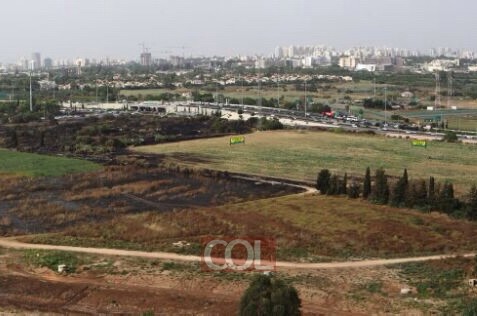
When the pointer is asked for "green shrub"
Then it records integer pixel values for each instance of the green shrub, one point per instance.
(51, 259)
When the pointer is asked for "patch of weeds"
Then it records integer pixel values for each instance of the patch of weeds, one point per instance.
(233, 276)
(356, 296)
(431, 281)
(103, 267)
(374, 287)
(52, 259)
(175, 266)
(309, 279)
(292, 253)
(417, 221)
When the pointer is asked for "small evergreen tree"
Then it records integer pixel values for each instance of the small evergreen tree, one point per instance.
(431, 193)
(405, 177)
(400, 190)
(323, 181)
(354, 190)
(446, 201)
(411, 195)
(270, 296)
(334, 185)
(367, 184)
(471, 209)
(344, 184)
(421, 200)
(381, 188)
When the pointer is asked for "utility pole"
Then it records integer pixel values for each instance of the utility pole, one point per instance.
(374, 87)
(437, 99)
(260, 93)
(450, 91)
(385, 103)
(31, 95)
(241, 92)
(305, 99)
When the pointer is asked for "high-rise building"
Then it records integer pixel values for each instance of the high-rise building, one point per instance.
(36, 58)
(146, 59)
(47, 63)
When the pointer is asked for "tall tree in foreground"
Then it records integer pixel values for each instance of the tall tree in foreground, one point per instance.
(367, 184)
(270, 296)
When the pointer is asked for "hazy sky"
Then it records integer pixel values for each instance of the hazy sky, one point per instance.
(95, 28)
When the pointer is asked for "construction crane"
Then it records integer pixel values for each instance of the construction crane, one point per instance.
(144, 48)
(183, 48)
(145, 55)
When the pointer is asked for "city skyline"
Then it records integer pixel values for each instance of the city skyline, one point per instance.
(115, 29)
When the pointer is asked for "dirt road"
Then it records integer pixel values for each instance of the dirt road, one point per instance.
(14, 244)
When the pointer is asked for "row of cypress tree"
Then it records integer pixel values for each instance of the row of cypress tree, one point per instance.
(420, 194)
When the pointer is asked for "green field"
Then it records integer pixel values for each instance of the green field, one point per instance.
(34, 165)
(301, 154)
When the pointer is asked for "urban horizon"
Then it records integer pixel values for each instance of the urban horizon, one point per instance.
(38, 60)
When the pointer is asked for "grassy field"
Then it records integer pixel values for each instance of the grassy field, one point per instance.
(301, 154)
(34, 165)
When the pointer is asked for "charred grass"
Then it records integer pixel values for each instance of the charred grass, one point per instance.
(54, 204)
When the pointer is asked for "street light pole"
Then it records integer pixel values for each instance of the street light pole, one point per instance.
(305, 99)
(385, 104)
(31, 95)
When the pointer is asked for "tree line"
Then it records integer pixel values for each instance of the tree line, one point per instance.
(419, 194)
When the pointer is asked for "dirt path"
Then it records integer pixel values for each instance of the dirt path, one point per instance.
(308, 189)
(14, 244)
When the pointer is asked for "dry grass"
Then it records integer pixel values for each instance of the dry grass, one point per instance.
(306, 228)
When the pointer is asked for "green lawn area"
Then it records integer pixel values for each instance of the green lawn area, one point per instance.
(301, 154)
(35, 165)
